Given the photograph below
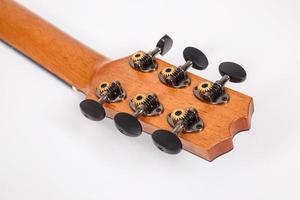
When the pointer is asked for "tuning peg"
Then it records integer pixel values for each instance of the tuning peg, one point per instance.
(106, 93)
(181, 120)
(145, 62)
(214, 92)
(141, 104)
(177, 77)
(92, 110)
(163, 46)
(196, 57)
(232, 72)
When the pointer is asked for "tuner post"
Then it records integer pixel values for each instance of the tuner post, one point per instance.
(106, 93)
(215, 93)
(145, 62)
(155, 52)
(177, 77)
(181, 120)
(142, 104)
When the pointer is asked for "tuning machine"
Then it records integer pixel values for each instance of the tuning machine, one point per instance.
(141, 104)
(181, 120)
(145, 62)
(106, 93)
(177, 76)
(215, 93)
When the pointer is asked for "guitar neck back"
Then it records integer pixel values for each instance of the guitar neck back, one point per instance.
(60, 54)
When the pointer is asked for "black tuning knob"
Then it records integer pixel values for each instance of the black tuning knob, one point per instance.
(128, 124)
(145, 62)
(167, 141)
(235, 72)
(92, 110)
(163, 46)
(141, 104)
(106, 93)
(197, 57)
(187, 121)
(214, 92)
(177, 77)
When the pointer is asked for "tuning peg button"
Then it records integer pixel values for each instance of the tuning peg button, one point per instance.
(145, 62)
(182, 121)
(107, 93)
(235, 72)
(167, 141)
(196, 57)
(214, 93)
(92, 110)
(163, 46)
(147, 105)
(128, 124)
(177, 77)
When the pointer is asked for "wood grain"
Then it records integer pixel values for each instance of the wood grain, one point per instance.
(83, 68)
(48, 46)
(221, 122)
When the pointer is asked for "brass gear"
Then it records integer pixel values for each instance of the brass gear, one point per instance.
(103, 87)
(137, 56)
(204, 87)
(168, 71)
(139, 99)
(178, 114)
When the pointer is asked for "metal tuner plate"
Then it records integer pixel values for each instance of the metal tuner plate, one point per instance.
(224, 98)
(185, 82)
(194, 128)
(152, 112)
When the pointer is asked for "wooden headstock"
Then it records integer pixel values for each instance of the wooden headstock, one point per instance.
(84, 69)
(222, 122)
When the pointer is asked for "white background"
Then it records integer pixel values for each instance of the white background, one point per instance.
(49, 151)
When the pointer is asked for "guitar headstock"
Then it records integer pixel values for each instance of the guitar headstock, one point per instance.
(144, 93)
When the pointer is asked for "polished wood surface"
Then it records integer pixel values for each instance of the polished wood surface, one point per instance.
(48, 46)
(221, 122)
(85, 69)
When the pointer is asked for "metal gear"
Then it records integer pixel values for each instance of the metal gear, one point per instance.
(103, 87)
(204, 87)
(168, 71)
(137, 56)
(139, 99)
(178, 114)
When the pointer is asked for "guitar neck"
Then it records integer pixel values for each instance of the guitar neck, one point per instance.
(48, 46)
(223, 111)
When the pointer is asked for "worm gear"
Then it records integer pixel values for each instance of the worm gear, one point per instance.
(139, 99)
(103, 87)
(111, 91)
(106, 93)
(178, 114)
(168, 71)
(148, 103)
(204, 87)
(177, 77)
(168, 141)
(145, 62)
(216, 92)
(186, 119)
(136, 57)
(128, 124)
(142, 62)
